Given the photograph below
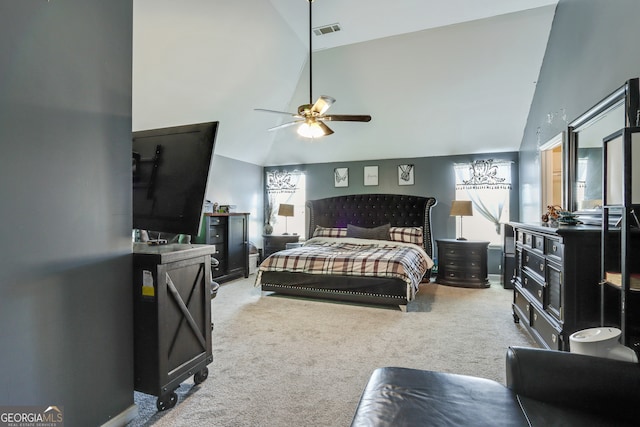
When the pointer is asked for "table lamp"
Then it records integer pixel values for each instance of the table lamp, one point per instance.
(285, 211)
(461, 208)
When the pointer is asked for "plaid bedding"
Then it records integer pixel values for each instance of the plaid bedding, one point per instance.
(353, 257)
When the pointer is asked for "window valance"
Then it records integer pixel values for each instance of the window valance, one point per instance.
(483, 174)
(279, 182)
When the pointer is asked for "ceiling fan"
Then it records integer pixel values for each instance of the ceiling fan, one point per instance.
(311, 117)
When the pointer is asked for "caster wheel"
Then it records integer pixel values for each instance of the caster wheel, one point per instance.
(199, 377)
(516, 319)
(167, 401)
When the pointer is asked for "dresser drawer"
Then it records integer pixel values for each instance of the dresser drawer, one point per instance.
(534, 287)
(461, 274)
(216, 234)
(534, 262)
(524, 308)
(462, 253)
(216, 220)
(462, 264)
(538, 243)
(554, 249)
(219, 269)
(546, 330)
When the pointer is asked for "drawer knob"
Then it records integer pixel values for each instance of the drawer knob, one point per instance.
(527, 307)
(527, 258)
(539, 293)
(535, 316)
(555, 248)
(554, 337)
(526, 280)
(541, 267)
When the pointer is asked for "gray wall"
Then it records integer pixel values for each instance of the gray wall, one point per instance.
(232, 182)
(65, 268)
(592, 51)
(434, 176)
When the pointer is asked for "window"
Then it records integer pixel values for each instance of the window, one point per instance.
(286, 187)
(487, 183)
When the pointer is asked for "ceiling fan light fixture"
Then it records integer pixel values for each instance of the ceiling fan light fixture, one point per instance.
(311, 129)
(311, 116)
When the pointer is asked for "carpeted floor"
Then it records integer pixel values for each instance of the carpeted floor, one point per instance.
(283, 361)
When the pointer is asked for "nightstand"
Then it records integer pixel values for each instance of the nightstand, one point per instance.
(463, 263)
(274, 243)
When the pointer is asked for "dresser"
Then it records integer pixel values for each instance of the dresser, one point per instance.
(463, 263)
(230, 236)
(274, 243)
(556, 284)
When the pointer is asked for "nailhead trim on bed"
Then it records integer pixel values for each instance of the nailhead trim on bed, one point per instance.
(332, 291)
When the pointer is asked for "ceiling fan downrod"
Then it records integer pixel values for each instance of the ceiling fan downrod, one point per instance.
(310, 56)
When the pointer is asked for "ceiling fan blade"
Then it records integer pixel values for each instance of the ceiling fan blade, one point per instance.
(285, 125)
(327, 129)
(276, 112)
(346, 118)
(322, 104)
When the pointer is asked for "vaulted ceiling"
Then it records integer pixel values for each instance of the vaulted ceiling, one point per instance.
(439, 77)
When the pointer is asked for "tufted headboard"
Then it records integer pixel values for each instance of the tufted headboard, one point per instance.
(371, 210)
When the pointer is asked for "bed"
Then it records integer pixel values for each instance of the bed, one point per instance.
(363, 215)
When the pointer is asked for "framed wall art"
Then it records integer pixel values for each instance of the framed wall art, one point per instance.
(405, 175)
(341, 177)
(370, 175)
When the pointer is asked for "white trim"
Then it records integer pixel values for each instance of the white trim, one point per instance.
(553, 142)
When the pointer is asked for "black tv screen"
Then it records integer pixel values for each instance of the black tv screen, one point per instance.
(170, 172)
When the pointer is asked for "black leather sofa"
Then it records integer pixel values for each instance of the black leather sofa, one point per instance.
(544, 388)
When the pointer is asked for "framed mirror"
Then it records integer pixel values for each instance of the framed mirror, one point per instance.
(583, 187)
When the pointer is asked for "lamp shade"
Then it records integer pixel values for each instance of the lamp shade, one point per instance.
(461, 208)
(285, 210)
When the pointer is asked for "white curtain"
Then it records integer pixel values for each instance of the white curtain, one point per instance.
(487, 184)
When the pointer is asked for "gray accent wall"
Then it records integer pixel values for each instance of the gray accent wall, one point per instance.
(434, 177)
(592, 50)
(65, 265)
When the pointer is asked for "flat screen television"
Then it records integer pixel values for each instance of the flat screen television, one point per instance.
(170, 172)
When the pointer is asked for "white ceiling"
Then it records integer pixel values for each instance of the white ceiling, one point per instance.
(439, 77)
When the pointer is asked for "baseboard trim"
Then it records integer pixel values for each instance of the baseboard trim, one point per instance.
(123, 417)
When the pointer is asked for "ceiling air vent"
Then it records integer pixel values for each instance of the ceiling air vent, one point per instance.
(326, 29)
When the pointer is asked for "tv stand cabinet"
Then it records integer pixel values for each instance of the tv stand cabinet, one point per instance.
(172, 318)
